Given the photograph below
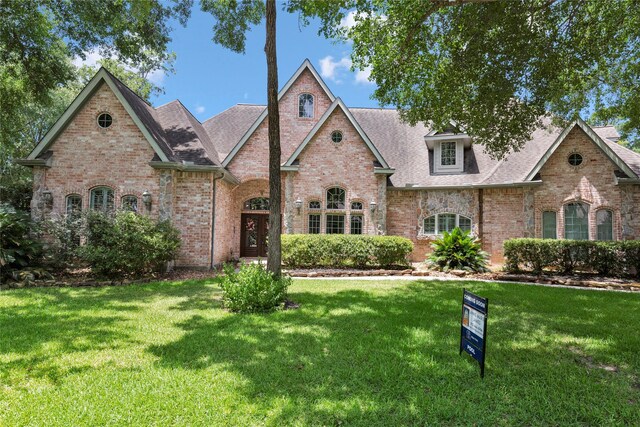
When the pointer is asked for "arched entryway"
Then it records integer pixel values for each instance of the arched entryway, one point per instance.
(254, 227)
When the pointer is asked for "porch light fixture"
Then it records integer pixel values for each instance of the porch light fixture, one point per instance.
(146, 199)
(298, 205)
(373, 205)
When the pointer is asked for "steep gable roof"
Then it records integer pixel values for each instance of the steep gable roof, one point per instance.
(608, 151)
(306, 65)
(338, 103)
(141, 114)
(226, 128)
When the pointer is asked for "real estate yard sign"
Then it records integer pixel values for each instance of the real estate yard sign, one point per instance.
(473, 329)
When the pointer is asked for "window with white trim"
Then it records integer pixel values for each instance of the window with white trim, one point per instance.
(448, 157)
(576, 221)
(604, 224)
(439, 223)
(305, 106)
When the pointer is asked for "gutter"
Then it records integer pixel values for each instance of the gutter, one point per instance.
(469, 186)
(190, 167)
(213, 217)
(628, 180)
(35, 162)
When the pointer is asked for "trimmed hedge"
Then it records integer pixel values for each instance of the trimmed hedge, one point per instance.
(610, 258)
(340, 250)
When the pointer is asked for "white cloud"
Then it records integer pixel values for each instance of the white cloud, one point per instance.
(349, 21)
(363, 76)
(331, 69)
(200, 109)
(157, 77)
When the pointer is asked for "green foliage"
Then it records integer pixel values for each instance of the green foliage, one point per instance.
(494, 68)
(458, 250)
(339, 250)
(63, 237)
(127, 244)
(232, 20)
(19, 248)
(616, 258)
(253, 289)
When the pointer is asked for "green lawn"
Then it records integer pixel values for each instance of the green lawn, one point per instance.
(355, 353)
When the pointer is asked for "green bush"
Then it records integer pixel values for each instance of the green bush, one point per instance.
(458, 250)
(252, 289)
(127, 244)
(63, 237)
(19, 249)
(339, 250)
(617, 258)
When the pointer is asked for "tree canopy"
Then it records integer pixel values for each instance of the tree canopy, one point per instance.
(495, 68)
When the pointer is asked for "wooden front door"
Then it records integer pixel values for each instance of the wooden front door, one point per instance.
(253, 235)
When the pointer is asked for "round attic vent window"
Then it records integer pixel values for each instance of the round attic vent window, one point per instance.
(575, 159)
(105, 120)
(336, 136)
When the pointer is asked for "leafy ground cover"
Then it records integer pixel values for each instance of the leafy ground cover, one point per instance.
(354, 353)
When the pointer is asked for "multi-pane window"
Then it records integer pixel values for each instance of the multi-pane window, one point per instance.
(356, 206)
(314, 224)
(335, 224)
(130, 203)
(356, 224)
(576, 221)
(336, 198)
(102, 199)
(448, 153)
(257, 204)
(314, 204)
(438, 224)
(305, 105)
(74, 204)
(604, 222)
(549, 225)
(105, 120)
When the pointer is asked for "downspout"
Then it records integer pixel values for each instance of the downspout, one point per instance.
(213, 216)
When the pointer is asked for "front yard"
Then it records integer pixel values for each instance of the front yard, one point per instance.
(354, 353)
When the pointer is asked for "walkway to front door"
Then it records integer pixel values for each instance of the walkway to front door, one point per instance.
(253, 235)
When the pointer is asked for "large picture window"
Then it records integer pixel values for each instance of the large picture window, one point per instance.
(549, 225)
(438, 224)
(305, 106)
(604, 223)
(576, 221)
(336, 198)
(102, 199)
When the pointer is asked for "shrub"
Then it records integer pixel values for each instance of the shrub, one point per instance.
(339, 250)
(127, 244)
(19, 248)
(63, 236)
(252, 289)
(616, 258)
(458, 250)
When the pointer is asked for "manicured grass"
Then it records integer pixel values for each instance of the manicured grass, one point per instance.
(355, 353)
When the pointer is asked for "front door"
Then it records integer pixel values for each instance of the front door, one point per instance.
(253, 235)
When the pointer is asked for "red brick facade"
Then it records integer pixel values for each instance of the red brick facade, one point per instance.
(207, 209)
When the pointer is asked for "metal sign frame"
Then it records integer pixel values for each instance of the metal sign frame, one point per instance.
(473, 340)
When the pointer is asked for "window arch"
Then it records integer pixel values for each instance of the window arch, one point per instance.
(102, 199)
(257, 204)
(604, 224)
(576, 221)
(315, 204)
(129, 203)
(336, 198)
(74, 204)
(305, 105)
(356, 206)
(439, 223)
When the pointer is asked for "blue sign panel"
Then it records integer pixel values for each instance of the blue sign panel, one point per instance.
(473, 328)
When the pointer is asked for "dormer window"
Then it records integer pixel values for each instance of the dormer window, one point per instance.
(305, 106)
(448, 156)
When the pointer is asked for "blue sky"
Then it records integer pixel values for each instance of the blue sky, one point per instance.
(210, 79)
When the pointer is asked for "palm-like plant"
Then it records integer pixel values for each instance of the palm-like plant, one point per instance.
(458, 250)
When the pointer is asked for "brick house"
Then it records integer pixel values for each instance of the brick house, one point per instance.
(344, 170)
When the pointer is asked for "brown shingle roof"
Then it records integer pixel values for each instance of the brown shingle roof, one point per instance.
(226, 129)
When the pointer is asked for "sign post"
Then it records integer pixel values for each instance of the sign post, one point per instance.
(473, 327)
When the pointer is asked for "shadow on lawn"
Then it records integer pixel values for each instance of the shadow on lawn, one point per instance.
(353, 354)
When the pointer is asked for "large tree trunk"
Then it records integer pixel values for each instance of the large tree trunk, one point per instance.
(274, 251)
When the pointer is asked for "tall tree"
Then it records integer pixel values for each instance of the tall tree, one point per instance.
(495, 68)
(233, 19)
